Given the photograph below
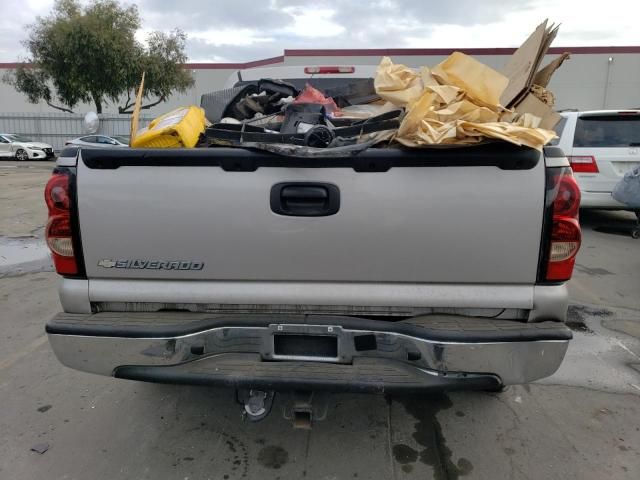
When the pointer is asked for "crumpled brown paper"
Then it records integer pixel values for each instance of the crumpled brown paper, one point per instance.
(456, 102)
(397, 84)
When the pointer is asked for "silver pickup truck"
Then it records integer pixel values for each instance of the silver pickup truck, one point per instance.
(390, 271)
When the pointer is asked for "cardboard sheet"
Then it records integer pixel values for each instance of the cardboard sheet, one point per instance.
(463, 101)
(447, 113)
(480, 83)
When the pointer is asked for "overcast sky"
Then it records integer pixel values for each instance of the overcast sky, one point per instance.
(244, 30)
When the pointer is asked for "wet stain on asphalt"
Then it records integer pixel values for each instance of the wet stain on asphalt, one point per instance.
(238, 457)
(578, 327)
(428, 434)
(593, 270)
(581, 311)
(404, 453)
(273, 456)
(21, 255)
(576, 315)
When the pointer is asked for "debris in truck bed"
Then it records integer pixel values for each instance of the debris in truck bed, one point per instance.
(179, 128)
(315, 96)
(459, 101)
(462, 101)
(318, 135)
(459, 105)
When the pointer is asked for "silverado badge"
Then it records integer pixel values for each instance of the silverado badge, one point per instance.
(138, 264)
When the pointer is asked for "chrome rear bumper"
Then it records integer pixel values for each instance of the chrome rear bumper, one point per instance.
(376, 352)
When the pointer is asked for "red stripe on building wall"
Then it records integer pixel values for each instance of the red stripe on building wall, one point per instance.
(378, 52)
(365, 52)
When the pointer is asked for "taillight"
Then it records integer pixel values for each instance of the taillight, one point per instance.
(58, 231)
(327, 70)
(565, 235)
(583, 164)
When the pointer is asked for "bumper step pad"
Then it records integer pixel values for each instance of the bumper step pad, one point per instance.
(364, 375)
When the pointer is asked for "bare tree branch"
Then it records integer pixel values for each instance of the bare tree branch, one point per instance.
(128, 104)
(143, 107)
(59, 108)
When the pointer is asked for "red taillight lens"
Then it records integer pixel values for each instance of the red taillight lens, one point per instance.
(327, 70)
(56, 193)
(58, 232)
(567, 201)
(565, 229)
(583, 164)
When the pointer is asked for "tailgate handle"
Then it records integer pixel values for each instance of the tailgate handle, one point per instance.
(303, 199)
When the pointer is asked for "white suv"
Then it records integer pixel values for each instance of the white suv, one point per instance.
(601, 146)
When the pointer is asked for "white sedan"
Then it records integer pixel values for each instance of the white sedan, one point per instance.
(22, 148)
(98, 141)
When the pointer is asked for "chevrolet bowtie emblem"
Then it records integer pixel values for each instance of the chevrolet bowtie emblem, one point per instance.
(106, 263)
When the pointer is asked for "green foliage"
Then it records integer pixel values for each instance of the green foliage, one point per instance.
(90, 54)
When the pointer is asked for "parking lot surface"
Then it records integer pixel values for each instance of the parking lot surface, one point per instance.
(57, 423)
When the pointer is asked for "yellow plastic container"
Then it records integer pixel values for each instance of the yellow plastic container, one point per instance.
(179, 128)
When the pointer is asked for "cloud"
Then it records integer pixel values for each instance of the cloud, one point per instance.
(244, 30)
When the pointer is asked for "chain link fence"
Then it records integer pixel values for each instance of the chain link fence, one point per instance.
(56, 128)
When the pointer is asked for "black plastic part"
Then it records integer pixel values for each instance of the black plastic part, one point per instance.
(197, 349)
(365, 343)
(271, 86)
(498, 154)
(356, 91)
(243, 135)
(553, 152)
(69, 152)
(305, 345)
(318, 136)
(303, 199)
(249, 372)
(232, 109)
(165, 324)
(414, 356)
(297, 113)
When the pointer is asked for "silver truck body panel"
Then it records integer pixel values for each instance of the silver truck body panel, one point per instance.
(313, 293)
(542, 302)
(472, 225)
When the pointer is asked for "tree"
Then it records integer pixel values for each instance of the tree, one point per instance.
(90, 54)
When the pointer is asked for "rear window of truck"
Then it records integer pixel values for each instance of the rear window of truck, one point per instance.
(607, 131)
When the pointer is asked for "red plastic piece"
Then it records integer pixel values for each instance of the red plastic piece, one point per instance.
(313, 95)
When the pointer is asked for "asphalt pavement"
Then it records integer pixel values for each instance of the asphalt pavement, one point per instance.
(56, 423)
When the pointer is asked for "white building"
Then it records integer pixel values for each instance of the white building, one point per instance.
(593, 78)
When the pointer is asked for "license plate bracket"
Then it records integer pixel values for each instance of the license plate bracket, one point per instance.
(314, 343)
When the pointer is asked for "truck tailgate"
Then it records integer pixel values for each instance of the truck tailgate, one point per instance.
(194, 215)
